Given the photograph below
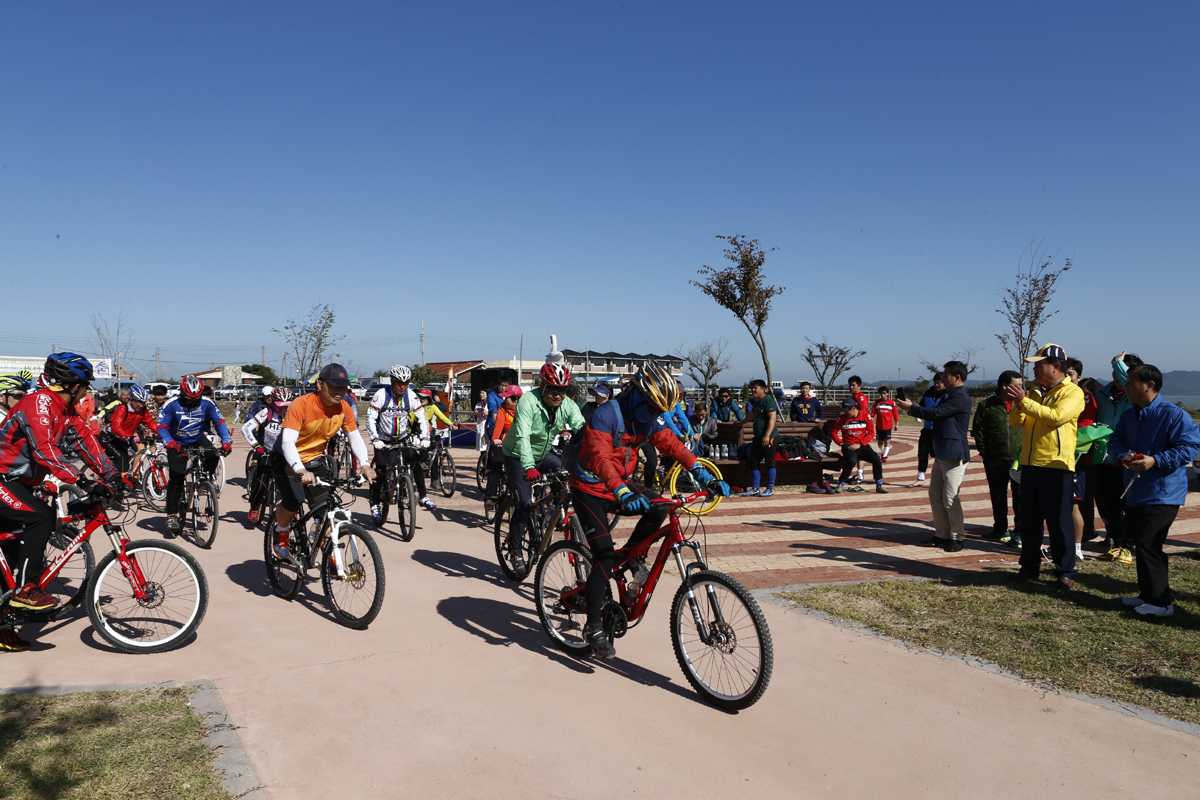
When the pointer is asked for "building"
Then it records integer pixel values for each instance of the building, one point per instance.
(590, 365)
(227, 376)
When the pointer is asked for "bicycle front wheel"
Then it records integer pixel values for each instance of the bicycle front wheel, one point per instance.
(481, 471)
(502, 533)
(406, 507)
(356, 594)
(68, 586)
(561, 595)
(219, 476)
(447, 476)
(154, 485)
(205, 514)
(732, 669)
(682, 481)
(175, 598)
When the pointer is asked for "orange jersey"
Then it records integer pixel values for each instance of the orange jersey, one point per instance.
(504, 421)
(317, 424)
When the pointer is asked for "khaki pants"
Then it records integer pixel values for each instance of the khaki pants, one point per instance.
(947, 508)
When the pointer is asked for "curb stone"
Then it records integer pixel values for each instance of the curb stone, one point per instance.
(220, 733)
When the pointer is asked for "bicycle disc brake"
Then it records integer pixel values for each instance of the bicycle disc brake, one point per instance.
(724, 638)
(616, 624)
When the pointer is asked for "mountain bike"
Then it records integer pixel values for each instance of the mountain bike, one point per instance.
(718, 631)
(150, 464)
(441, 469)
(399, 488)
(340, 456)
(352, 574)
(677, 481)
(550, 513)
(146, 596)
(481, 468)
(199, 507)
(259, 469)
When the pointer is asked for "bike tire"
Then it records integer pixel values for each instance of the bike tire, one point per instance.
(205, 514)
(406, 507)
(565, 567)
(154, 490)
(218, 480)
(681, 481)
(356, 599)
(69, 586)
(285, 578)
(732, 673)
(501, 530)
(447, 474)
(574, 530)
(175, 608)
(481, 471)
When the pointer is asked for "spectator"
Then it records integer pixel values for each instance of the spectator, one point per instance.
(932, 396)
(601, 393)
(494, 401)
(1111, 404)
(1155, 441)
(481, 409)
(853, 431)
(1047, 416)
(860, 397)
(765, 415)
(886, 418)
(725, 409)
(999, 444)
(1087, 419)
(704, 430)
(806, 407)
(951, 419)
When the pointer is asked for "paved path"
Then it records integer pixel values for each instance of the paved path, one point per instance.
(455, 692)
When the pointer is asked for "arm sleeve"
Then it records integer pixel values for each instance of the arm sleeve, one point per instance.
(358, 447)
(1183, 444)
(164, 426)
(521, 428)
(287, 443)
(90, 450)
(373, 417)
(669, 445)
(836, 432)
(668, 419)
(1120, 369)
(248, 430)
(437, 412)
(574, 418)
(952, 404)
(737, 410)
(223, 432)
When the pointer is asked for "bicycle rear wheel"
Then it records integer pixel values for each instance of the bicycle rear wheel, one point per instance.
(205, 514)
(733, 668)
(406, 506)
(356, 598)
(285, 578)
(561, 596)
(481, 471)
(154, 484)
(176, 597)
(69, 585)
(682, 481)
(501, 533)
(447, 475)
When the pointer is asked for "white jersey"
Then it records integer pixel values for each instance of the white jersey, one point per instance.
(266, 421)
(388, 420)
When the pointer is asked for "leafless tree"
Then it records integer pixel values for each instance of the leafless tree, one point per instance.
(705, 362)
(965, 354)
(828, 361)
(308, 339)
(740, 289)
(1025, 305)
(114, 339)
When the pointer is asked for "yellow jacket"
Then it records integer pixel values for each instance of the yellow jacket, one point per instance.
(1049, 420)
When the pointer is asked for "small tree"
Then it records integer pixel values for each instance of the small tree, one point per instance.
(965, 354)
(1026, 304)
(268, 375)
(422, 375)
(828, 361)
(740, 289)
(705, 362)
(308, 339)
(114, 339)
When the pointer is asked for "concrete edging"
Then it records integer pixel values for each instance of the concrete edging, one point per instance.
(221, 734)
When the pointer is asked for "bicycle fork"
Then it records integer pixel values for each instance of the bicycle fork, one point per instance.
(693, 602)
(129, 566)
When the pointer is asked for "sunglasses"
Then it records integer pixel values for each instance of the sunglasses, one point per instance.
(554, 392)
(17, 395)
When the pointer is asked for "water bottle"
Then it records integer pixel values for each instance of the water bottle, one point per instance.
(640, 573)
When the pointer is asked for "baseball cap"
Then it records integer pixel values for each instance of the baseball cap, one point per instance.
(848, 404)
(512, 390)
(334, 375)
(1047, 351)
(601, 390)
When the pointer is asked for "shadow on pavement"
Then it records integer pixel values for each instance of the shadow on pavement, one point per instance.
(252, 576)
(457, 565)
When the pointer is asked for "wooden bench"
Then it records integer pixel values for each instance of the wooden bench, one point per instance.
(787, 473)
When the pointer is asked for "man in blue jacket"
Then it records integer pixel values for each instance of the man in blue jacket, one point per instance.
(951, 419)
(726, 409)
(1111, 403)
(1155, 441)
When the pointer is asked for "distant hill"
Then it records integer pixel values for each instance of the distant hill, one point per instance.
(1182, 382)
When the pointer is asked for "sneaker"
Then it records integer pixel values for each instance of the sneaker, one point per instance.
(11, 642)
(377, 512)
(253, 516)
(518, 560)
(1147, 610)
(880, 490)
(174, 523)
(815, 488)
(883, 459)
(597, 637)
(749, 493)
(1014, 541)
(32, 598)
(767, 492)
(855, 481)
(281, 551)
(1132, 602)
(1125, 556)
(427, 503)
(831, 488)
(996, 536)
(854, 488)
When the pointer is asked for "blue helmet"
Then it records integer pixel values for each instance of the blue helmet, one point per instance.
(67, 368)
(139, 393)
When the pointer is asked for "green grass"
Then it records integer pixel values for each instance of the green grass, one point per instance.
(99, 745)
(1082, 641)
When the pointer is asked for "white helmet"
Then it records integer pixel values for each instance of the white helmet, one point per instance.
(267, 391)
(401, 373)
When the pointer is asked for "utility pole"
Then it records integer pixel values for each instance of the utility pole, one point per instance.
(422, 343)
(521, 360)
(282, 374)
(157, 365)
(263, 361)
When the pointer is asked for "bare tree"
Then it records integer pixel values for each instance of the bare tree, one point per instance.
(828, 361)
(113, 339)
(705, 362)
(1026, 304)
(740, 289)
(308, 339)
(965, 354)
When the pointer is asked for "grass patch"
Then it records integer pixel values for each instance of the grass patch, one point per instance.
(98, 745)
(1082, 641)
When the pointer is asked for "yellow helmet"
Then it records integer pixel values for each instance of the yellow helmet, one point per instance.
(657, 386)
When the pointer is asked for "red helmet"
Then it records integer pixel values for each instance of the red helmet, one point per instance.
(556, 375)
(425, 393)
(191, 387)
(280, 395)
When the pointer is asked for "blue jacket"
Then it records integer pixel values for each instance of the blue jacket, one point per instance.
(723, 412)
(676, 419)
(929, 400)
(1166, 432)
(807, 410)
(188, 425)
(951, 419)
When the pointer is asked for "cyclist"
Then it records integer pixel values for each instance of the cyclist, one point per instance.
(389, 421)
(299, 453)
(541, 416)
(607, 458)
(120, 429)
(31, 437)
(260, 402)
(504, 419)
(185, 422)
(13, 386)
(260, 432)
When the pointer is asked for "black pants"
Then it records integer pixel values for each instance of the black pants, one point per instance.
(863, 453)
(260, 486)
(385, 458)
(760, 452)
(1148, 528)
(999, 484)
(924, 449)
(522, 489)
(495, 471)
(177, 466)
(293, 493)
(1046, 500)
(21, 511)
(119, 451)
(593, 517)
(1110, 485)
(650, 468)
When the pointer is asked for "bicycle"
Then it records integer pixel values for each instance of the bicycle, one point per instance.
(724, 647)
(199, 498)
(146, 596)
(551, 511)
(352, 574)
(399, 487)
(268, 495)
(151, 466)
(340, 455)
(482, 462)
(677, 481)
(442, 473)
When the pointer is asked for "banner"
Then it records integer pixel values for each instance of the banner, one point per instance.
(102, 368)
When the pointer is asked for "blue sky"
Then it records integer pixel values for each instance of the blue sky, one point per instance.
(506, 169)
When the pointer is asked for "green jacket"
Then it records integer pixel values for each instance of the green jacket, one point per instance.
(529, 437)
(995, 439)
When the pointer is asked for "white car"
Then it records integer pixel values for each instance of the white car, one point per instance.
(359, 390)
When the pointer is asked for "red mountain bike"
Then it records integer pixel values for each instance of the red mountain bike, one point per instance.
(718, 631)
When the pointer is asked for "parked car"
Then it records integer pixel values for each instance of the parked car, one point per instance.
(359, 390)
(226, 393)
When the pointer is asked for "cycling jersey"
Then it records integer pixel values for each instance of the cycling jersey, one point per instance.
(189, 425)
(315, 424)
(504, 421)
(432, 412)
(266, 421)
(124, 421)
(32, 435)
(388, 418)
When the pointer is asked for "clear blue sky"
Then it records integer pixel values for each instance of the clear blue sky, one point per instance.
(500, 169)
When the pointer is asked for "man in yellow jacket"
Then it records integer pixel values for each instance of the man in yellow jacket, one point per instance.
(1047, 415)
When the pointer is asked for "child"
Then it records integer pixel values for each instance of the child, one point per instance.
(854, 435)
(886, 418)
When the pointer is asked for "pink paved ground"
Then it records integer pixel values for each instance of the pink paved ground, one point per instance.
(455, 691)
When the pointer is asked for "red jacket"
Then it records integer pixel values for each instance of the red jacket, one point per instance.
(886, 415)
(864, 405)
(32, 433)
(608, 453)
(853, 431)
(124, 422)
